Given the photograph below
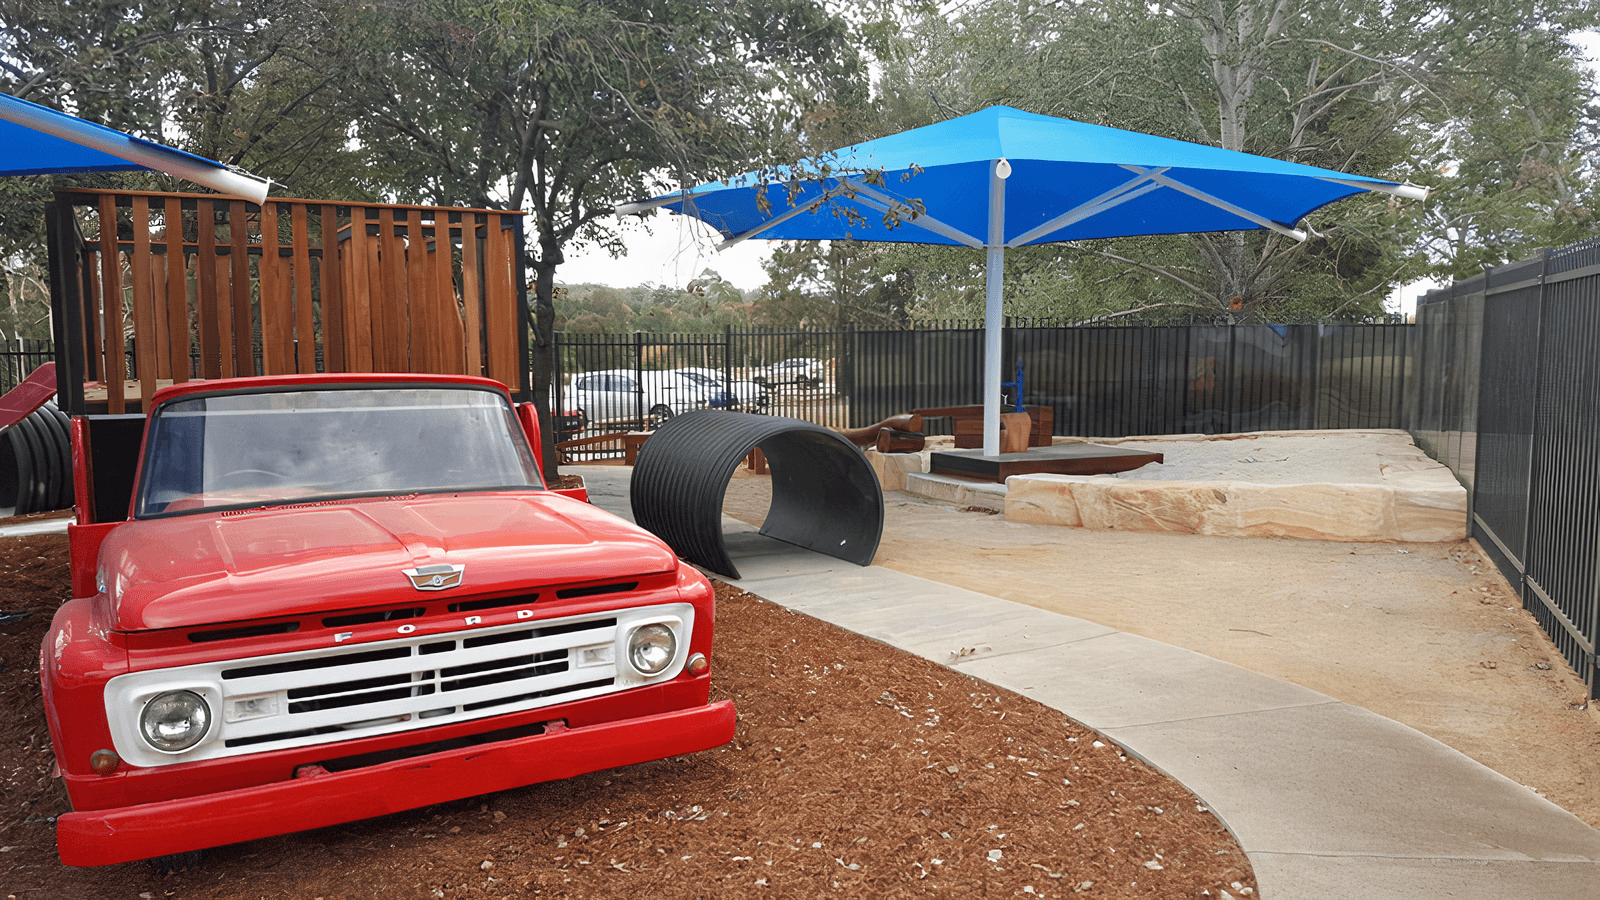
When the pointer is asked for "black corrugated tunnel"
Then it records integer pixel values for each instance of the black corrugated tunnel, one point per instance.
(36, 463)
(825, 496)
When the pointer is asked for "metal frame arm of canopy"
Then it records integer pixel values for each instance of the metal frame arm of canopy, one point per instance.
(777, 220)
(875, 199)
(1408, 191)
(1221, 204)
(639, 206)
(1118, 195)
(140, 152)
(228, 180)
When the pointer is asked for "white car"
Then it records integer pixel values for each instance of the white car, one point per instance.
(803, 370)
(746, 396)
(623, 397)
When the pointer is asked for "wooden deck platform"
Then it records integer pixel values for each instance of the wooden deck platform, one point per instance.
(1058, 459)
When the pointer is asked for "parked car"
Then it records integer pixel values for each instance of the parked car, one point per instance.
(745, 396)
(623, 397)
(804, 370)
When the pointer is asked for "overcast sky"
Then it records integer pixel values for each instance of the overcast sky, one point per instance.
(674, 251)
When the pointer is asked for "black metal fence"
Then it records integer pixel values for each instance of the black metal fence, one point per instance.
(19, 357)
(1213, 379)
(748, 362)
(1508, 395)
(1101, 381)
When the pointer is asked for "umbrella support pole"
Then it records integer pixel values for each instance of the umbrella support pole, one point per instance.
(993, 318)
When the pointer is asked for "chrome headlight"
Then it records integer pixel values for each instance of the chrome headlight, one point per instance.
(175, 721)
(651, 648)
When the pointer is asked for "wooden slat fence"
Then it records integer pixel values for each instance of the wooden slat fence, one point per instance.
(203, 286)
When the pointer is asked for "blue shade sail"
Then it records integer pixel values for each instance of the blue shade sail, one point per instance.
(1000, 178)
(1068, 181)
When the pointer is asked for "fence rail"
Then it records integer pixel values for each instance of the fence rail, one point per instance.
(1099, 381)
(1508, 395)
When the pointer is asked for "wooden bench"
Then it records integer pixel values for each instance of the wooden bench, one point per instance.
(967, 424)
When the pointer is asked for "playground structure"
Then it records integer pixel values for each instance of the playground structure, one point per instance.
(825, 496)
(154, 289)
(149, 290)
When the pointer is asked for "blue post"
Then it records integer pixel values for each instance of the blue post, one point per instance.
(1017, 406)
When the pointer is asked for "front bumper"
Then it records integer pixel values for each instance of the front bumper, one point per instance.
(103, 837)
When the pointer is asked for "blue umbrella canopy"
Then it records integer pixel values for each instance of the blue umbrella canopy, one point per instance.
(1001, 178)
(38, 140)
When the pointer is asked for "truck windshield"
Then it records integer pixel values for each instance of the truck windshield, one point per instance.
(298, 446)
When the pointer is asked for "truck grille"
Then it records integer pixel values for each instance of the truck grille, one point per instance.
(342, 693)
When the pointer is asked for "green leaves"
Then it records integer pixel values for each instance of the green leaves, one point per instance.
(1483, 89)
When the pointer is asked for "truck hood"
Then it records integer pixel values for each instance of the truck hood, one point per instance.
(195, 570)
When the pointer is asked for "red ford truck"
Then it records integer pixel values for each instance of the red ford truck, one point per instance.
(304, 600)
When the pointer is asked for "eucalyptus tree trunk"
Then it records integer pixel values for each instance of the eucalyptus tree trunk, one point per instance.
(1236, 36)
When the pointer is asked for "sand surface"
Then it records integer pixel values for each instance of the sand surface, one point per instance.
(1427, 634)
(1345, 457)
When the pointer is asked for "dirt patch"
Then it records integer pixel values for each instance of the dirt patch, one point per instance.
(856, 769)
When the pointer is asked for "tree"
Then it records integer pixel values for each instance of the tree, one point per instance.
(93, 60)
(707, 305)
(265, 88)
(247, 82)
(831, 284)
(1197, 72)
(1329, 84)
(1513, 135)
(567, 107)
(592, 309)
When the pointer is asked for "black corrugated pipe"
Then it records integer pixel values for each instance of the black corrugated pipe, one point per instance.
(36, 463)
(825, 496)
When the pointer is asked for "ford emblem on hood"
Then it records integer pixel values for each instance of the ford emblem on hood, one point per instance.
(435, 578)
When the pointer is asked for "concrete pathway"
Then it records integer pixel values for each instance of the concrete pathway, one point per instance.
(1328, 800)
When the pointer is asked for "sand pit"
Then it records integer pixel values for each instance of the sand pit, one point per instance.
(1280, 457)
(1372, 485)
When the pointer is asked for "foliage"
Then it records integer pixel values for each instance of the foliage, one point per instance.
(1486, 88)
(568, 107)
(253, 83)
(1215, 74)
(708, 305)
(832, 284)
(1517, 127)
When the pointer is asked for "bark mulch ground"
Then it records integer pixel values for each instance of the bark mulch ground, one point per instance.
(857, 771)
